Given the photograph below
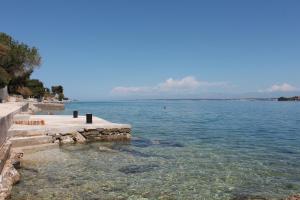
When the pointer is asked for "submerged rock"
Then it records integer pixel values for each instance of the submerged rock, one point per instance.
(66, 139)
(248, 197)
(31, 170)
(133, 169)
(79, 138)
(106, 149)
(130, 151)
(167, 143)
(133, 152)
(134, 197)
(141, 142)
(293, 197)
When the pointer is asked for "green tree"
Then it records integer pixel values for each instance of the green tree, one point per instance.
(4, 78)
(3, 49)
(57, 89)
(18, 60)
(36, 87)
(61, 96)
(16, 82)
(25, 92)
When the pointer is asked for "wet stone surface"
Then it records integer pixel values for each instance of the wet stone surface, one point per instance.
(143, 143)
(133, 169)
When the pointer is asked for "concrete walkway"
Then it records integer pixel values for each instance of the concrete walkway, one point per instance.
(41, 135)
(62, 123)
(7, 108)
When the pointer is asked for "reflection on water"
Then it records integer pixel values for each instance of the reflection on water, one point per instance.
(190, 150)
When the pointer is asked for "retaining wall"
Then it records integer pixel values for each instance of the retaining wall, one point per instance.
(5, 123)
(50, 106)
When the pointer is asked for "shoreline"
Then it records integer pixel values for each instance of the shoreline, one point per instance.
(21, 131)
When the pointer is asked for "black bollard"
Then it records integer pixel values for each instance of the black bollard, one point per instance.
(89, 118)
(75, 114)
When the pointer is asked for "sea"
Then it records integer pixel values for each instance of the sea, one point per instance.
(180, 149)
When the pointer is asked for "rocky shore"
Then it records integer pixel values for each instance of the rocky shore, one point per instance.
(22, 131)
(91, 135)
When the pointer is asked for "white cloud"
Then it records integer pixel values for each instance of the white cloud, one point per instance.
(186, 84)
(285, 87)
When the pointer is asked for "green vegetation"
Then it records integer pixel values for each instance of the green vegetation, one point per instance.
(36, 87)
(18, 58)
(4, 78)
(295, 98)
(17, 62)
(57, 89)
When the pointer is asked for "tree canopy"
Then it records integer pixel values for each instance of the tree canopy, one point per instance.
(58, 89)
(17, 62)
(4, 78)
(36, 87)
(17, 59)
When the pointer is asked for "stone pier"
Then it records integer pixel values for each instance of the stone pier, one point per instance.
(62, 129)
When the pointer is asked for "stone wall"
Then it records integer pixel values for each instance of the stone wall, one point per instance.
(49, 106)
(5, 123)
(9, 175)
(102, 134)
(3, 94)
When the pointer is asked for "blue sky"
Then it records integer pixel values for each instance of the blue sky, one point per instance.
(121, 49)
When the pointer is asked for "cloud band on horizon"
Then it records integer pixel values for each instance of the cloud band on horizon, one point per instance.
(285, 87)
(188, 84)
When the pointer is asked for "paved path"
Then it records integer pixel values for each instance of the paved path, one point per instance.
(7, 108)
(64, 123)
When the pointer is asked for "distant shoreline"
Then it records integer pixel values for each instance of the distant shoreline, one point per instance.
(179, 99)
(289, 99)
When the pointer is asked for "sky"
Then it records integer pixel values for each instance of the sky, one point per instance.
(131, 49)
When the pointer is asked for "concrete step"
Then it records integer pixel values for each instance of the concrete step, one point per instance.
(28, 141)
(18, 117)
(26, 133)
(38, 147)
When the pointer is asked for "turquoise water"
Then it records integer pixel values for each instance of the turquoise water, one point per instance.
(181, 149)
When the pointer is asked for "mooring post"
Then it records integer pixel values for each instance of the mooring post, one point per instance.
(75, 114)
(89, 118)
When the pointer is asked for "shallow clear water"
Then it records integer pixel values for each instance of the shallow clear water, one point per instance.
(189, 150)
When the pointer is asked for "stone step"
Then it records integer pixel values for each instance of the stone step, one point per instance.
(18, 117)
(26, 133)
(28, 141)
(38, 147)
